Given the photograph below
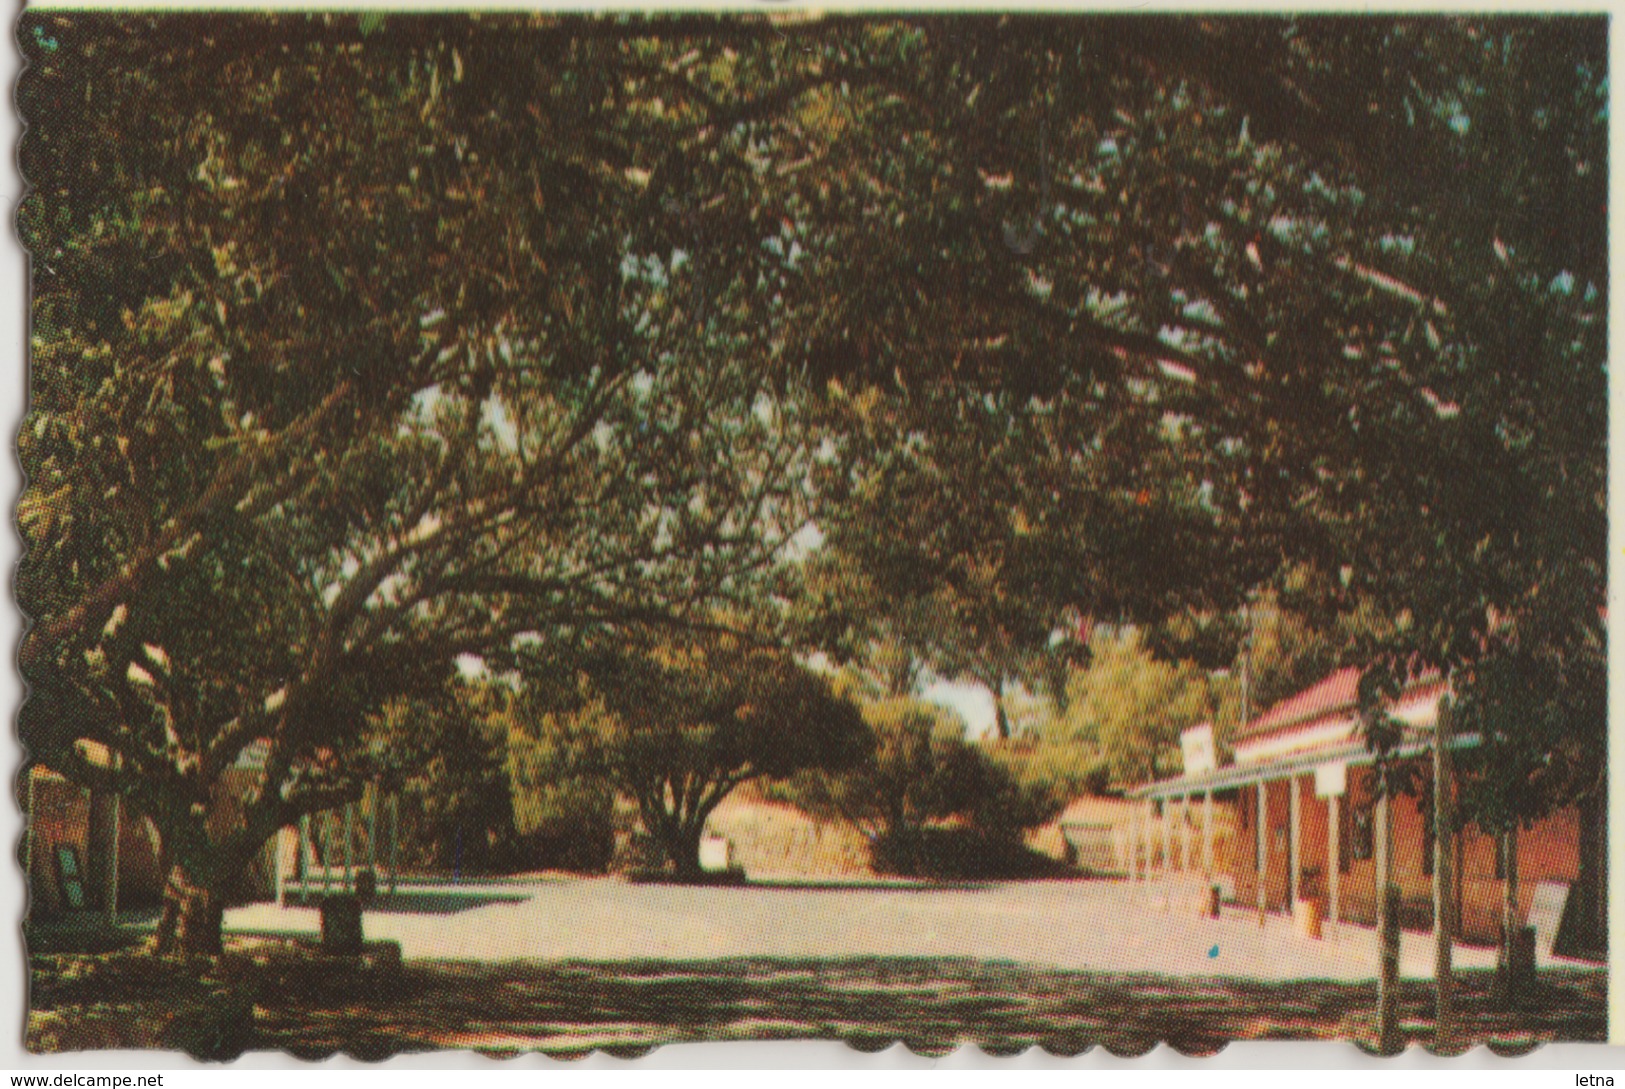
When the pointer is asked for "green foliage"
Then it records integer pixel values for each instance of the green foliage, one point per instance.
(1532, 713)
(962, 852)
(920, 770)
(565, 822)
(358, 345)
(325, 401)
(456, 811)
(1131, 707)
(972, 548)
(676, 724)
(931, 803)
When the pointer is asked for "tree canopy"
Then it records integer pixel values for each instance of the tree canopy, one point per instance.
(677, 724)
(359, 346)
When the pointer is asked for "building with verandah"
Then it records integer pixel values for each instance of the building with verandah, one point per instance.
(1303, 811)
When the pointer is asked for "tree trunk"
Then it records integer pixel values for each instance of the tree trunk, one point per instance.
(192, 917)
(1593, 874)
(1507, 845)
(101, 861)
(683, 848)
(1504, 845)
(1000, 717)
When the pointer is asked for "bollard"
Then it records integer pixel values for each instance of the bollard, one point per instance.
(1214, 894)
(341, 925)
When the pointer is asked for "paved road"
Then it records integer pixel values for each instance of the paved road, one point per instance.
(1101, 925)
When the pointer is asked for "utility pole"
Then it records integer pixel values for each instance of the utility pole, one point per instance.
(1443, 885)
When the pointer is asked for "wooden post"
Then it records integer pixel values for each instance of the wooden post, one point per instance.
(1387, 931)
(301, 860)
(1149, 828)
(394, 838)
(1185, 833)
(1134, 842)
(101, 853)
(327, 851)
(372, 830)
(1507, 844)
(1295, 842)
(1120, 845)
(349, 846)
(279, 843)
(1207, 834)
(1334, 852)
(112, 867)
(1263, 850)
(1167, 837)
(1443, 914)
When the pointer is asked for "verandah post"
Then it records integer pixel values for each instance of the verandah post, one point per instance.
(1207, 834)
(1334, 851)
(307, 851)
(1295, 842)
(1185, 833)
(394, 839)
(372, 830)
(1167, 837)
(1262, 850)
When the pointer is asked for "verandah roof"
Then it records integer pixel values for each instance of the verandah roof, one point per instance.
(1353, 753)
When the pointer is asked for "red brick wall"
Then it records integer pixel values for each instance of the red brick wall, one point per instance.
(62, 817)
(1547, 852)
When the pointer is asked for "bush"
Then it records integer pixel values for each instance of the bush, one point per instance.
(456, 811)
(959, 853)
(932, 804)
(486, 798)
(566, 826)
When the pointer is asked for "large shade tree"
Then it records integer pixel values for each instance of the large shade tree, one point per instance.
(322, 405)
(677, 724)
(979, 535)
(1357, 263)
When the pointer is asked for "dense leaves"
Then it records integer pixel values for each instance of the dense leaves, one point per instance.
(361, 348)
(678, 724)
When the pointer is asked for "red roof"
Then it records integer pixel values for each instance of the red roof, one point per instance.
(1338, 692)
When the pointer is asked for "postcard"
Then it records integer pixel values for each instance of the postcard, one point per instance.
(573, 531)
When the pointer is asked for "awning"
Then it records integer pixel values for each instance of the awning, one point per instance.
(1353, 753)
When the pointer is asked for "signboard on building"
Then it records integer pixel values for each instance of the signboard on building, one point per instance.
(1331, 780)
(1546, 914)
(1197, 749)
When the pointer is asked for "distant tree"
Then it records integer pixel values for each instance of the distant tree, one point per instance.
(970, 546)
(675, 725)
(921, 775)
(1132, 707)
(920, 770)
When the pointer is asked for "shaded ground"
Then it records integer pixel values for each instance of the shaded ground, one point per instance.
(1108, 926)
(276, 994)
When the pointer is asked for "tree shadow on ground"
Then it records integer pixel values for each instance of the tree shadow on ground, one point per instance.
(313, 1007)
(423, 902)
(89, 932)
(439, 903)
(790, 884)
